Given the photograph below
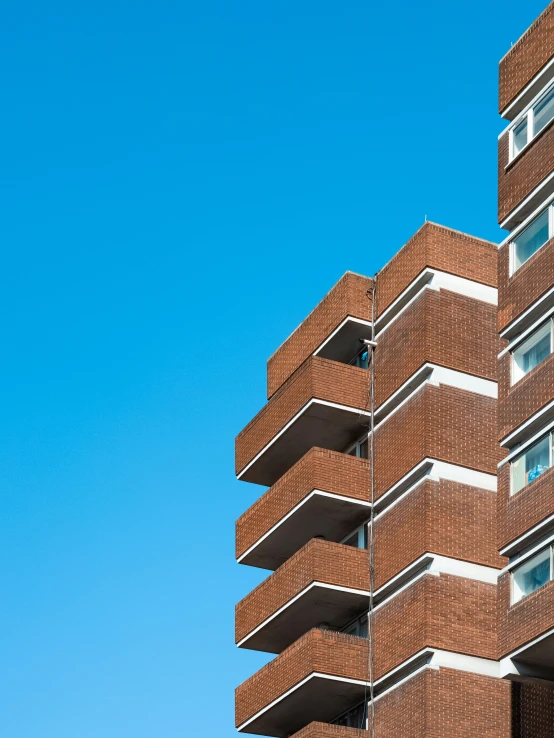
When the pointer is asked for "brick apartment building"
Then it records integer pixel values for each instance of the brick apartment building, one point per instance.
(450, 497)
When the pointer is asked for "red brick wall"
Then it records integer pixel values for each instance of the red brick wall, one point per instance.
(322, 651)
(347, 297)
(517, 513)
(532, 710)
(317, 378)
(519, 401)
(519, 178)
(318, 560)
(424, 333)
(440, 248)
(520, 623)
(446, 703)
(443, 517)
(526, 57)
(326, 730)
(443, 422)
(328, 471)
(445, 611)
(529, 282)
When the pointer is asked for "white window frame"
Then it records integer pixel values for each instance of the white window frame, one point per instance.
(550, 436)
(356, 446)
(512, 245)
(513, 597)
(529, 114)
(516, 373)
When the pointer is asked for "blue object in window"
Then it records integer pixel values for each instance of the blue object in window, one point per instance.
(536, 471)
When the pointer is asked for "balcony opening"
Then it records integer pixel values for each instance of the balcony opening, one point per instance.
(357, 627)
(357, 539)
(532, 575)
(355, 717)
(531, 464)
(361, 360)
(533, 351)
(359, 449)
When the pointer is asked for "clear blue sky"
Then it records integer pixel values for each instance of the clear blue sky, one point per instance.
(180, 184)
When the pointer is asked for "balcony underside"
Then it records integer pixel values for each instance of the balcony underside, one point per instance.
(319, 605)
(344, 343)
(320, 514)
(532, 663)
(319, 423)
(316, 698)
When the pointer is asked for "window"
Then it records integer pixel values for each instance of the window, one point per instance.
(358, 538)
(361, 359)
(533, 462)
(532, 351)
(353, 718)
(359, 449)
(357, 627)
(532, 122)
(530, 240)
(532, 575)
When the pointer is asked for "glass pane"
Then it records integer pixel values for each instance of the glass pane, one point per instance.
(362, 360)
(543, 112)
(520, 136)
(532, 238)
(531, 575)
(534, 350)
(537, 460)
(362, 630)
(352, 540)
(363, 449)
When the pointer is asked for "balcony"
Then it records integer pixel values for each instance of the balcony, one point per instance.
(322, 583)
(331, 330)
(520, 401)
(322, 404)
(327, 730)
(526, 633)
(317, 678)
(324, 494)
(436, 612)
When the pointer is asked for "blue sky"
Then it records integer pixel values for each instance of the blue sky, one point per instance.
(181, 183)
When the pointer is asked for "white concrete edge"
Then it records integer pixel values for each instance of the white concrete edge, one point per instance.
(507, 440)
(312, 585)
(505, 225)
(434, 279)
(312, 401)
(295, 509)
(536, 305)
(528, 645)
(313, 675)
(520, 338)
(536, 79)
(528, 554)
(348, 319)
(519, 543)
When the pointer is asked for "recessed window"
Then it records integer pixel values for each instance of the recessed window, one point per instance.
(531, 123)
(530, 240)
(357, 627)
(532, 351)
(359, 449)
(531, 464)
(357, 539)
(353, 718)
(361, 359)
(532, 575)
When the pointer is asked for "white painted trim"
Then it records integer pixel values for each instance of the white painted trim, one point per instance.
(397, 307)
(404, 587)
(295, 509)
(313, 401)
(506, 222)
(463, 286)
(520, 338)
(456, 473)
(313, 675)
(519, 543)
(528, 86)
(402, 681)
(534, 642)
(511, 327)
(461, 662)
(543, 205)
(348, 319)
(522, 558)
(521, 429)
(323, 585)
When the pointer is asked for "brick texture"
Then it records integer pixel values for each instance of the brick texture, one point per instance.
(440, 248)
(526, 58)
(444, 423)
(520, 177)
(446, 703)
(529, 282)
(318, 560)
(326, 652)
(530, 617)
(447, 612)
(424, 333)
(326, 730)
(519, 401)
(347, 298)
(440, 517)
(532, 710)
(316, 378)
(328, 471)
(520, 512)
